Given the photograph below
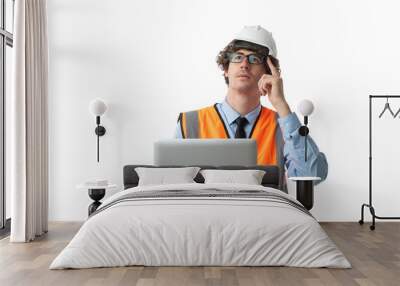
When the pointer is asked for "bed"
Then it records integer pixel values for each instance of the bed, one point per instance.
(201, 224)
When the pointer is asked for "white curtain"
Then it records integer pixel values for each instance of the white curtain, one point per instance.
(29, 122)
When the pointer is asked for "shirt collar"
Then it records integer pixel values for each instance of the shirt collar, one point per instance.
(232, 114)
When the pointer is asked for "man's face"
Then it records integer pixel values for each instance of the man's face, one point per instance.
(244, 76)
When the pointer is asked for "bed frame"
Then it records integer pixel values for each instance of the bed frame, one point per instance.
(304, 189)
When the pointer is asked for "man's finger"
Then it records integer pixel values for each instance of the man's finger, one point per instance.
(266, 80)
(273, 69)
(267, 77)
(260, 87)
(263, 86)
(262, 90)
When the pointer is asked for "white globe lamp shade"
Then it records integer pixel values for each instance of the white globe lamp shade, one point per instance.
(97, 107)
(305, 107)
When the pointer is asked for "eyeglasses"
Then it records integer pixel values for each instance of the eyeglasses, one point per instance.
(253, 59)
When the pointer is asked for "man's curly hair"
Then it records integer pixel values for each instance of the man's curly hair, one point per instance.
(223, 56)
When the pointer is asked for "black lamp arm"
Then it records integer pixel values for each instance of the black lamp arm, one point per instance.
(100, 131)
(303, 131)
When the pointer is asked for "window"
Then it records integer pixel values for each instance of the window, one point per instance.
(6, 44)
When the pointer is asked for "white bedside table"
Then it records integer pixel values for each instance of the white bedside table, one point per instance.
(96, 193)
(305, 190)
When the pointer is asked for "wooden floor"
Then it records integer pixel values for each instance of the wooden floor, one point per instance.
(374, 255)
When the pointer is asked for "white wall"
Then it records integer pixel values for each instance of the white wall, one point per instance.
(149, 60)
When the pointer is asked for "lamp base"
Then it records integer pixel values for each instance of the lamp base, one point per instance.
(96, 195)
(305, 193)
(100, 130)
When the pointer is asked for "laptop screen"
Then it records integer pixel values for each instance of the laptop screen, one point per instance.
(215, 152)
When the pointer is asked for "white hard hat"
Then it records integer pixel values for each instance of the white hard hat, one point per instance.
(258, 35)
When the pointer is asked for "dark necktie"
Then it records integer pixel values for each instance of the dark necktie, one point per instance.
(241, 123)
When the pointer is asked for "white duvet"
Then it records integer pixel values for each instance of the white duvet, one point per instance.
(200, 231)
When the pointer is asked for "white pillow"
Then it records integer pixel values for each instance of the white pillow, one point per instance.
(163, 176)
(249, 177)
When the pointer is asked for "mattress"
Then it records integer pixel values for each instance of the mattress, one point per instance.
(201, 225)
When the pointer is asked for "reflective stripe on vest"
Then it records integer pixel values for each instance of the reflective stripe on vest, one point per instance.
(208, 123)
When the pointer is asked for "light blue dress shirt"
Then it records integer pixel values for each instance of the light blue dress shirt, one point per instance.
(293, 151)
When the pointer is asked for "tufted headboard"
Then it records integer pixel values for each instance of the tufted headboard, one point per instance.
(270, 179)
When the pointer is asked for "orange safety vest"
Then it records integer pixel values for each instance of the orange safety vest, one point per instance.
(208, 123)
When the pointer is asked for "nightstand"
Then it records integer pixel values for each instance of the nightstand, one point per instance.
(305, 190)
(96, 193)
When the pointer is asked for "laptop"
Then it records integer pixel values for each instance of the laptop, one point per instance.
(215, 152)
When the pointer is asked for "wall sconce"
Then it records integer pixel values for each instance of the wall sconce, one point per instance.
(305, 107)
(97, 107)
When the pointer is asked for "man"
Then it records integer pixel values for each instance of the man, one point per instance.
(251, 69)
